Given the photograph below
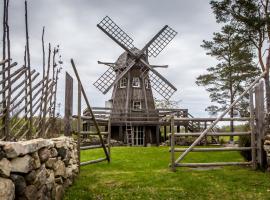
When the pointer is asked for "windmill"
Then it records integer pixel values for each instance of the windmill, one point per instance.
(132, 79)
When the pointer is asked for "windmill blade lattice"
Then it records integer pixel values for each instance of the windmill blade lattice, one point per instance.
(116, 33)
(161, 41)
(105, 81)
(160, 86)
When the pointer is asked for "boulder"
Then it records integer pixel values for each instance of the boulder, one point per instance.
(50, 179)
(15, 149)
(44, 154)
(5, 167)
(36, 163)
(62, 152)
(41, 177)
(22, 164)
(54, 152)
(30, 178)
(59, 192)
(59, 168)
(20, 184)
(49, 163)
(31, 192)
(7, 189)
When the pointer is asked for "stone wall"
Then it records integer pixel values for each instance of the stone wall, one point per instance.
(37, 169)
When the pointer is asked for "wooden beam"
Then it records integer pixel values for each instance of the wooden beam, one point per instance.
(212, 134)
(68, 104)
(211, 164)
(214, 149)
(93, 161)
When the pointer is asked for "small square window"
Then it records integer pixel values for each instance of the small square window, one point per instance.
(147, 83)
(136, 82)
(123, 83)
(137, 105)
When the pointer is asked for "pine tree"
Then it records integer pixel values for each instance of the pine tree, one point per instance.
(234, 71)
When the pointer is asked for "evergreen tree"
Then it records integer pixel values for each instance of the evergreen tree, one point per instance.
(252, 18)
(234, 71)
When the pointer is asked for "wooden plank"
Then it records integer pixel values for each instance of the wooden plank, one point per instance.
(253, 130)
(68, 104)
(93, 161)
(211, 119)
(212, 134)
(93, 133)
(211, 164)
(79, 123)
(91, 147)
(172, 145)
(214, 149)
(259, 110)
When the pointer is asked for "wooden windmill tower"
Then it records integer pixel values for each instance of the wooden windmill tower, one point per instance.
(133, 115)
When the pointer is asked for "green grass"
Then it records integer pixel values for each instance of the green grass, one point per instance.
(143, 173)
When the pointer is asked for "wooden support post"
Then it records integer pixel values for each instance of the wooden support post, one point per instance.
(205, 138)
(109, 138)
(172, 144)
(259, 110)
(165, 133)
(157, 135)
(68, 104)
(79, 123)
(252, 130)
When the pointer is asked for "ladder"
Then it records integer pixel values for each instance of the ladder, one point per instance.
(129, 134)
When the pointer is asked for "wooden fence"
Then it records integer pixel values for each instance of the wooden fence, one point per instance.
(256, 133)
(27, 99)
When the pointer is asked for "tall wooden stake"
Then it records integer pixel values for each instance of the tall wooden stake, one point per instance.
(29, 74)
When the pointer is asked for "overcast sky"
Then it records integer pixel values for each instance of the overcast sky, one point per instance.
(72, 25)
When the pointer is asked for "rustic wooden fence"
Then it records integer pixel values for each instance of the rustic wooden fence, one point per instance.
(28, 100)
(256, 133)
(104, 137)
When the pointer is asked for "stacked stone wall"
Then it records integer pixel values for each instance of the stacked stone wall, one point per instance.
(37, 169)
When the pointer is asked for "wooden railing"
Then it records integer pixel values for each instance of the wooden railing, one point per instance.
(256, 121)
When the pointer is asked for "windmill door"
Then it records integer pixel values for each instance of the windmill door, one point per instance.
(138, 135)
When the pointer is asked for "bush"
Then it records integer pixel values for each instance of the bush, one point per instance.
(244, 141)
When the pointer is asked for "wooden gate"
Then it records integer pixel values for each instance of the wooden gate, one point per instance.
(256, 121)
(91, 117)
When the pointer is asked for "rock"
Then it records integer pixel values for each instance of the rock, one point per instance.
(41, 177)
(7, 189)
(20, 184)
(15, 149)
(266, 142)
(59, 180)
(44, 154)
(75, 168)
(30, 178)
(62, 152)
(31, 192)
(59, 192)
(69, 173)
(54, 152)
(36, 163)
(67, 183)
(42, 193)
(267, 137)
(5, 167)
(2, 153)
(22, 164)
(59, 168)
(50, 180)
(49, 163)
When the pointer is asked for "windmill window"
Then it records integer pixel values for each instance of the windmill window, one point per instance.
(147, 84)
(137, 105)
(136, 82)
(123, 83)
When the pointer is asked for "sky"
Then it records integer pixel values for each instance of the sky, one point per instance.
(72, 25)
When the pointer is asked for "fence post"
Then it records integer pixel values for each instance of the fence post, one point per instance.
(259, 111)
(252, 131)
(172, 144)
(68, 104)
(79, 123)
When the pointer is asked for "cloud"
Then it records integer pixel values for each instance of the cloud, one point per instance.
(72, 24)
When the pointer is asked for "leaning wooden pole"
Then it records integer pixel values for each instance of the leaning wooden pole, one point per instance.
(3, 69)
(219, 118)
(28, 73)
(79, 123)
(90, 110)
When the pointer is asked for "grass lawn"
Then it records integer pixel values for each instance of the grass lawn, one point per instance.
(143, 173)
